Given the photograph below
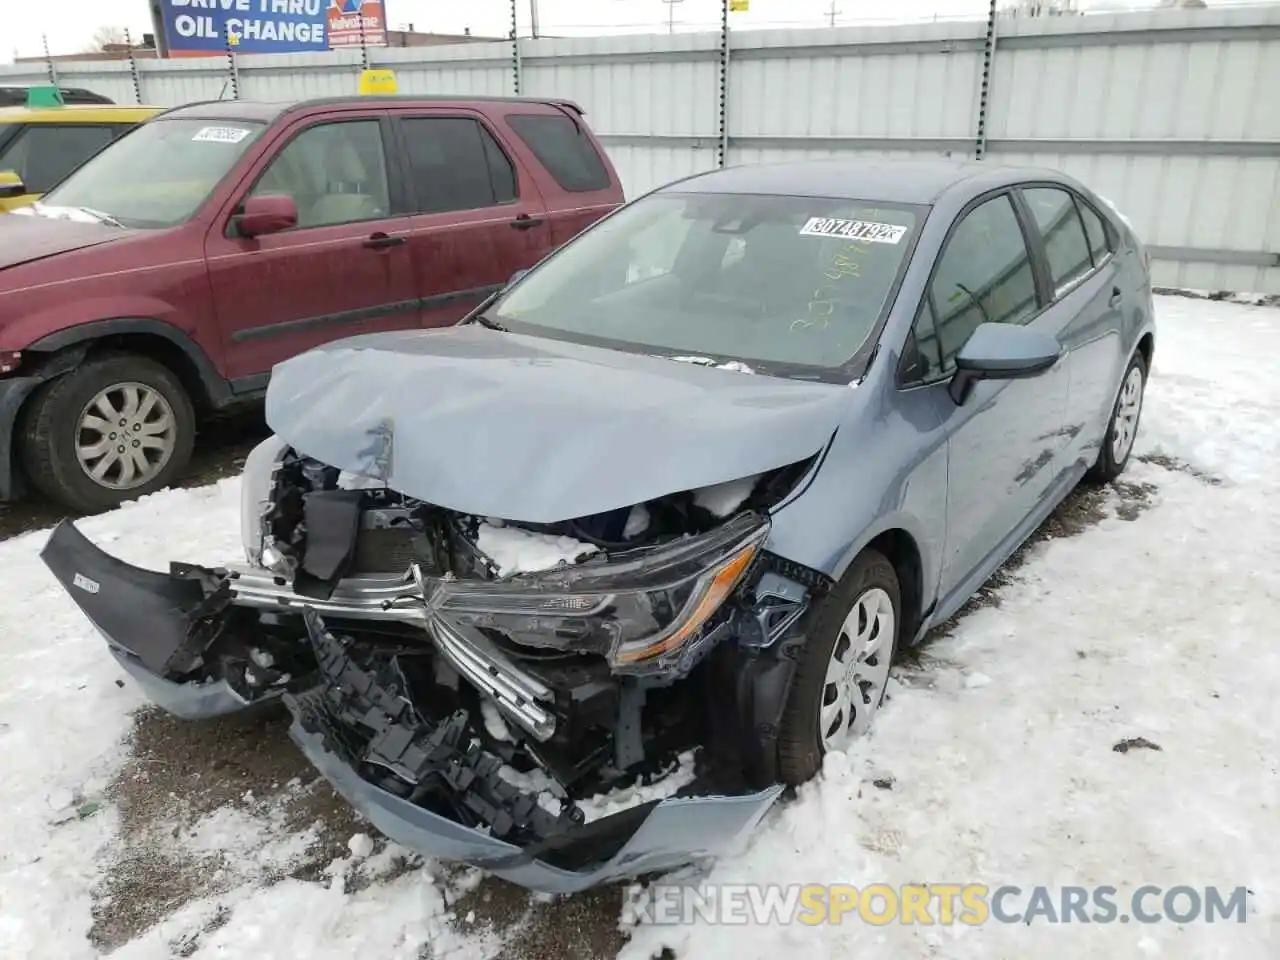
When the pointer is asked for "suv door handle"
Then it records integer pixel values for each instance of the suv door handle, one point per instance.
(380, 241)
(526, 222)
(1116, 297)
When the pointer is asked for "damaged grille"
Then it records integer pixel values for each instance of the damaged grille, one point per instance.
(438, 765)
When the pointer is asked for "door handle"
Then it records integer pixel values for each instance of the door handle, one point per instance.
(1116, 297)
(380, 241)
(526, 222)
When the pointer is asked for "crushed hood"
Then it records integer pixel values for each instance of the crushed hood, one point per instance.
(26, 237)
(538, 430)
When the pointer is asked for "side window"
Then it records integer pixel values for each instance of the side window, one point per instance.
(335, 172)
(983, 276)
(1096, 233)
(42, 154)
(455, 164)
(1060, 225)
(564, 149)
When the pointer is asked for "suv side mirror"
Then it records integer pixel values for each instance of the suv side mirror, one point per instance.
(11, 185)
(269, 213)
(1002, 351)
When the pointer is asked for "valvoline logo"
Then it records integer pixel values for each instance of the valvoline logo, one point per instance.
(347, 6)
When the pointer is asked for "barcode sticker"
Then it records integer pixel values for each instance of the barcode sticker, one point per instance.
(866, 230)
(220, 134)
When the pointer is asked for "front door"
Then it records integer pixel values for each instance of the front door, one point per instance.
(480, 216)
(344, 269)
(1006, 441)
(1087, 302)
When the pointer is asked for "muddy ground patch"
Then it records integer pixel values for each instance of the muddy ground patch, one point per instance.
(179, 775)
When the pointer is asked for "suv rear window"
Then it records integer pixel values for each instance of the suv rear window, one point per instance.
(563, 148)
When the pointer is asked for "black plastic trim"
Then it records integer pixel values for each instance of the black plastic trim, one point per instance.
(215, 385)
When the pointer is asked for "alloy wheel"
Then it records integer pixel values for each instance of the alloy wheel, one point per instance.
(858, 670)
(125, 435)
(1125, 426)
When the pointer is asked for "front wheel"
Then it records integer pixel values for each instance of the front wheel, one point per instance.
(1122, 429)
(844, 667)
(115, 428)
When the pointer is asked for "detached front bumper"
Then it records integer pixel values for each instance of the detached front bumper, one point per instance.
(156, 626)
(146, 619)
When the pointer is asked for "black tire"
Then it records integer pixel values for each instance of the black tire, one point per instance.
(1107, 467)
(49, 428)
(800, 748)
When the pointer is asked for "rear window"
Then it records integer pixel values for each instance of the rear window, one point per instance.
(564, 149)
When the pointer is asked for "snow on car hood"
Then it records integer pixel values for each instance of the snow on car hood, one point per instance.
(538, 430)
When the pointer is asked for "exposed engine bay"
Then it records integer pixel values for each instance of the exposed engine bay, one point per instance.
(519, 680)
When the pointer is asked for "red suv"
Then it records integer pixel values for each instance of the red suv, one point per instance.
(164, 278)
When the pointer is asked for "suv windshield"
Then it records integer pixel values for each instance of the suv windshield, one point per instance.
(788, 285)
(158, 174)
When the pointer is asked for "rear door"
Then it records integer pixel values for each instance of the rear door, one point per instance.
(344, 270)
(579, 183)
(1006, 440)
(479, 216)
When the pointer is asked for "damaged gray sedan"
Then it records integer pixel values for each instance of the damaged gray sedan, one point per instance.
(571, 590)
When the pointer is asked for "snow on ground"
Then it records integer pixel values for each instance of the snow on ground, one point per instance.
(1002, 763)
(997, 751)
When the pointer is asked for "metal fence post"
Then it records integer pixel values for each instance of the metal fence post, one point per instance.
(722, 151)
(48, 61)
(515, 50)
(133, 67)
(233, 70)
(984, 95)
(364, 46)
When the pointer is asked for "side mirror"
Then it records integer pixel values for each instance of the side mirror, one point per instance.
(1002, 351)
(269, 213)
(11, 185)
(517, 277)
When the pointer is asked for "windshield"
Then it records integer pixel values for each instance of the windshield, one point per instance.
(788, 285)
(159, 174)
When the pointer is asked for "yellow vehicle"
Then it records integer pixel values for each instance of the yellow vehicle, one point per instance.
(42, 142)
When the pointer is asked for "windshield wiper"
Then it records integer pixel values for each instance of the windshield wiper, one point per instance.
(489, 322)
(106, 218)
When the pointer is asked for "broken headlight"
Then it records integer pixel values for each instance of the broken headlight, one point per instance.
(256, 483)
(641, 610)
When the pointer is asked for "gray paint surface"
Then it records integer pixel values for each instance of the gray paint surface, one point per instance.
(524, 428)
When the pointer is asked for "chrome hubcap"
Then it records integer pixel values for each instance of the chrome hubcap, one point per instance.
(125, 436)
(858, 670)
(1125, 427)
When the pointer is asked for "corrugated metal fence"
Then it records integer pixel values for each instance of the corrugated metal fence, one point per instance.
(1172, 115)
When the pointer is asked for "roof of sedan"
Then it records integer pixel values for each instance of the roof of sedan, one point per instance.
(889, 181)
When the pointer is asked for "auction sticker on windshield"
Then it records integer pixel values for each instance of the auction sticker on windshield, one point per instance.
(866, 230)
(220, 134)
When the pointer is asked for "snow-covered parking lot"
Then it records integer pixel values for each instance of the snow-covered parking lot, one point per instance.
(1148, 610)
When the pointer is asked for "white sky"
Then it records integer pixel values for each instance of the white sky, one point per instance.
(70, 24)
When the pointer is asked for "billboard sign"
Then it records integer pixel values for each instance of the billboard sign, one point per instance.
(353, 22)
(205, 27)
(195, 27)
